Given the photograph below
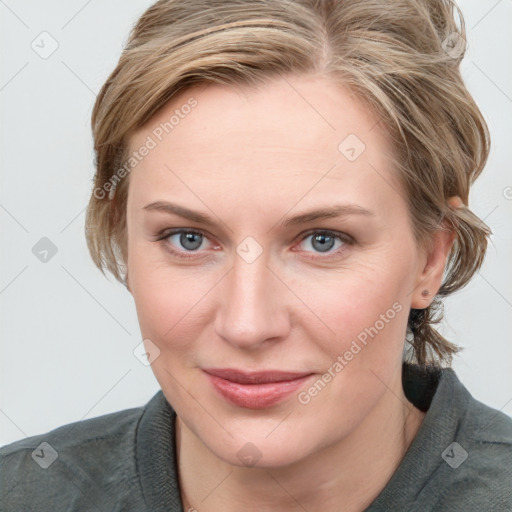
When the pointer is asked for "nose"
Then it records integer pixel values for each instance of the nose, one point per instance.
(253, 308)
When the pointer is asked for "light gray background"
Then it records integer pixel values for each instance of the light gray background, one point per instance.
(68, 333)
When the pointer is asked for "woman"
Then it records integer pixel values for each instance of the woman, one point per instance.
(283, 188)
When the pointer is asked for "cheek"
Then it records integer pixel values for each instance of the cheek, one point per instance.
(169, 303)
(368, 313)
(365, 308)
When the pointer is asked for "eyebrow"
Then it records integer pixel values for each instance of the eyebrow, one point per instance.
(335, 211)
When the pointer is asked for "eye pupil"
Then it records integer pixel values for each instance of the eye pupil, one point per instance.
(323, 247)
(191, 241)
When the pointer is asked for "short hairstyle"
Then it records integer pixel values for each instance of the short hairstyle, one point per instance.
(401, 58)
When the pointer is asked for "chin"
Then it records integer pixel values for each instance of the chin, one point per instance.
(267, 454)
(254, 444)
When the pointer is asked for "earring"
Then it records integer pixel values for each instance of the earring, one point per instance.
(425, 293)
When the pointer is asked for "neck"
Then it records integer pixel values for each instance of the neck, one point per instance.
(352, 472)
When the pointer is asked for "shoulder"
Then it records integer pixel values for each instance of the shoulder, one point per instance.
(461, 457)
(108, 426)
(486, 430)
(82, 462)
(478, 463)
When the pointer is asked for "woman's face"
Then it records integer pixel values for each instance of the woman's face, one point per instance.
(299, 259)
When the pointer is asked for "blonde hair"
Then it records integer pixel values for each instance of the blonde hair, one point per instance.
(400, 57)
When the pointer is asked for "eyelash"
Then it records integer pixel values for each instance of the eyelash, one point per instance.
(163, 236)
(343, 237)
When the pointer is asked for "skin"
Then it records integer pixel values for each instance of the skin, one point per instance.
(249, 159)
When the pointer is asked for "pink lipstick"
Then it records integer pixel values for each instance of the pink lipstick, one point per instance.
(255, 390)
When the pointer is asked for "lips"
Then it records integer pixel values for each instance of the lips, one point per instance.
(255, 390)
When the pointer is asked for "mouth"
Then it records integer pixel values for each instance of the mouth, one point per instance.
(255, 390)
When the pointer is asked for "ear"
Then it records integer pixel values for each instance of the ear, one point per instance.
(430, 275)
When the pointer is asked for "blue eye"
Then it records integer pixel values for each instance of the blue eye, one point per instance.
(324, 241)
(187, 240)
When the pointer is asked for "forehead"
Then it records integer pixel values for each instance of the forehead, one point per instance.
(276, 141)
